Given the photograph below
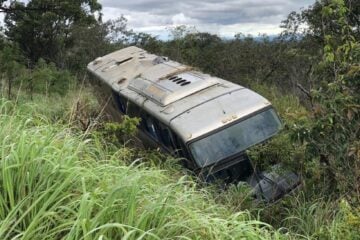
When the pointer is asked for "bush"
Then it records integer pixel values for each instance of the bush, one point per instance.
(47, 79)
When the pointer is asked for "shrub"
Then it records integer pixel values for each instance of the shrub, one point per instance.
(46, 79)
(332, 136)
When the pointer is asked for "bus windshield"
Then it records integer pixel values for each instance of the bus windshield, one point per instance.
(236, 138)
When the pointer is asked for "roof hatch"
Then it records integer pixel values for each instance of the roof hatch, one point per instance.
(173, 88)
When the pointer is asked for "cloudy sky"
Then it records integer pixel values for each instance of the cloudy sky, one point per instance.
(226, 17)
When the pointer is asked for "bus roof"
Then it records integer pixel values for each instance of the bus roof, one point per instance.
(190, 102)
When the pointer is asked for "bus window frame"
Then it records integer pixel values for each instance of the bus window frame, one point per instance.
(222, 128)
(122, 102)
(178, 147)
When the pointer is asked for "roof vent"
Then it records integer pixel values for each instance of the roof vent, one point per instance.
(179, 80)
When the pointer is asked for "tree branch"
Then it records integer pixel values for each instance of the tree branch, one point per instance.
(24, 9)
(306, 92)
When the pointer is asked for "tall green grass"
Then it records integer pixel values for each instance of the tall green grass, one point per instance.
(58, 184)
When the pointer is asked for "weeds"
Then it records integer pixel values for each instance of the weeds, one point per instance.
(56, 184)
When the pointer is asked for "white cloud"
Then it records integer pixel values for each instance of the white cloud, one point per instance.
(225, 18)
(1, 19)
(180, 19)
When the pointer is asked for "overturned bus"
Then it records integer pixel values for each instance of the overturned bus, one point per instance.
(206, 120)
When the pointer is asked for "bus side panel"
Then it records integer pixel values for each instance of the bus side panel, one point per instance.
(104, 94)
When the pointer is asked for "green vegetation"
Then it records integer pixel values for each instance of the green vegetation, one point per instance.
(57, 183)
(68, 173)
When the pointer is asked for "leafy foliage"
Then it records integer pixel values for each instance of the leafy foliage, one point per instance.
(333, 136)
(120, 132)
(46, 78)
(320, 139)
(43, 28)
(11, 67)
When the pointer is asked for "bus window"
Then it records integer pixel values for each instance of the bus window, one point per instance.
(150, 127)
(121, 102)
(158, 131)
(165, 137)
(133, 110)
(181, 152)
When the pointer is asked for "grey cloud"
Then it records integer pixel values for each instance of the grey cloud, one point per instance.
(225, 12)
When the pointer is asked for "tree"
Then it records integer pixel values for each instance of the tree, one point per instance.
(3, 6)
(11, 66)
(318, 24)
(2, 39)
(146, 41)
(98, 39)
(87, 43)
(332, 137)
(43, 28)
